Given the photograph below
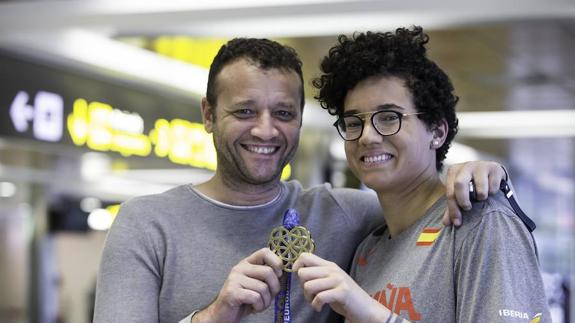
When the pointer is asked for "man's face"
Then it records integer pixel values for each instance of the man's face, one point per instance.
(256, 122)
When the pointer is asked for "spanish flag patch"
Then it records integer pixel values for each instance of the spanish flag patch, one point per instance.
(536, 318)
(428, 236)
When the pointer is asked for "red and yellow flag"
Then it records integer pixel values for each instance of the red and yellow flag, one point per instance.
(428, 236)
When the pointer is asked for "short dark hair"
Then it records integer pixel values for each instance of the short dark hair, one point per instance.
(264, 53)
(400, 54)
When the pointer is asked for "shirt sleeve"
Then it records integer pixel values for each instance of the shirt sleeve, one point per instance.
(362, 208)
(497, 272)
(129, 275)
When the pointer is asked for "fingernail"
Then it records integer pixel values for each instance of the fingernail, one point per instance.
(457, 221)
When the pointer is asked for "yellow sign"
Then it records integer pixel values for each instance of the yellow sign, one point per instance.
(102, 128)
(197, 51)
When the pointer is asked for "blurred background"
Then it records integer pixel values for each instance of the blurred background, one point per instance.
(99, 102)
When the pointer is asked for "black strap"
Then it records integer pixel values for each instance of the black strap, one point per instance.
(504, 187)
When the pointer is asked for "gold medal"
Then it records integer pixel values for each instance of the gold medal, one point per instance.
(289, 244)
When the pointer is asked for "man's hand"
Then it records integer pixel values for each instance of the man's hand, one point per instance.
(486, 176)
(250, 288)
(324, 282)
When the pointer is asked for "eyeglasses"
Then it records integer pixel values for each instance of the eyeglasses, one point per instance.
(385, 122)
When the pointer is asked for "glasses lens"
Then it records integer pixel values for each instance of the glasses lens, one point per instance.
(387, 122)
(350, 127)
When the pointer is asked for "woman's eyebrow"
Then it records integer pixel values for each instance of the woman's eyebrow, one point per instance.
(381, 107)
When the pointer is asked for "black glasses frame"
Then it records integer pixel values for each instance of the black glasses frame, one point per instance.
(362, 120)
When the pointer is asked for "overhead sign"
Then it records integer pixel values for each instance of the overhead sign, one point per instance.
(45, 114)
(101, 127)
(61, 108)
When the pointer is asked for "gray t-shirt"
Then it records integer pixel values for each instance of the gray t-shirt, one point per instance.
(487, 270)
(168, 254)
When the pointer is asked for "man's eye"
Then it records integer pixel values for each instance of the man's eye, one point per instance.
(285, 115)
(243, 113)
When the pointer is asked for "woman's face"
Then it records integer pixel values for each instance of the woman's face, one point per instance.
(388, 163)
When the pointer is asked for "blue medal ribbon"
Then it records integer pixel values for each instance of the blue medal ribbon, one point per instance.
(288, 241)
(282, 308)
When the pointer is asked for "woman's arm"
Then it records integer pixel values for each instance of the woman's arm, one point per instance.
(324, 282)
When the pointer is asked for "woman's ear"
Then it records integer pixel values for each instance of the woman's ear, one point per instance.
(208, 115)
(439, 132)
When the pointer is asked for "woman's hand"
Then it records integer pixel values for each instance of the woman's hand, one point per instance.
(324, 282)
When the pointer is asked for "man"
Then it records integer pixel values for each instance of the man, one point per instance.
(201, 248)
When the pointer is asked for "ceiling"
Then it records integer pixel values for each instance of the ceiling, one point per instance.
(285, 18)
(501, 55)
(487, 47)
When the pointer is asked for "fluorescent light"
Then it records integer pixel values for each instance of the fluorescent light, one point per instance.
(94, 166)
(517, 124)
(100, 219)
(459, 153)
(253, 17)
(89, 204)
(7, 189)
(96, 50)
(154, 6)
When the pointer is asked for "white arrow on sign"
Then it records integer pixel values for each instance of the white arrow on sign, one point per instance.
(20, 112)
(49, 116)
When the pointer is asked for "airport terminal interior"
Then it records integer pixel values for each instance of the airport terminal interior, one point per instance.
(100, 102)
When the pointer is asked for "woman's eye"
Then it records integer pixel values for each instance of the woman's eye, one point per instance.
(388, 117)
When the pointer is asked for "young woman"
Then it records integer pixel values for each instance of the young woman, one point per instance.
(396, 113)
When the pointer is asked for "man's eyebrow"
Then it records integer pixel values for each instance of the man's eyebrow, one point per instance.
(285, 105)
(242, 103)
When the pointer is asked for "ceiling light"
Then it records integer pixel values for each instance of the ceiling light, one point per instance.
(100, 219)
(7, 189)
(517, 124)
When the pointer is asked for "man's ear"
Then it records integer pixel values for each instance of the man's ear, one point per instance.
(208, 115)
(439, 132)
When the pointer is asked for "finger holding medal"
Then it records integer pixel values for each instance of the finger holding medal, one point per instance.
(324, 282)
(249, 288)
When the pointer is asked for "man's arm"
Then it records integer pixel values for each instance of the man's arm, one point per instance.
(486, 176)
(129, 276)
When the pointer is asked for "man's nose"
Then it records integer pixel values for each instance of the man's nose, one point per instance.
(265, 127)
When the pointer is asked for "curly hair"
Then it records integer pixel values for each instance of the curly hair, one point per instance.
(264, 53)
(400, 54)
